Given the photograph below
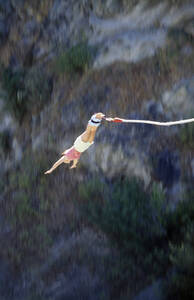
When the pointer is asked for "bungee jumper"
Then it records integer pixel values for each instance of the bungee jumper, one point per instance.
(81, 144)
(86, 139)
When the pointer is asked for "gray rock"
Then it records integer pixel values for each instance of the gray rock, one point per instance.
(79, 283)
(30, 28)
(192, 167)
(18, 153)
(168, 169)
(7, 122)
(1, 104)
(5, 7)
(59, 10)
(176, 194)
(113, 162)
(73, 279)
(29, 36)
(3, 29)
(6, 281)
(133, 35)
(180, 99)
(176, 15)
(190, 28)
(38, 141)
(153, 292)
(154, 109)
(106, 8)
(190, 86)
(129, 38)
(67, 24)
(17, 3)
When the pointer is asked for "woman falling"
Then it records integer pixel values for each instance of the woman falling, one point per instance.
(81, 144)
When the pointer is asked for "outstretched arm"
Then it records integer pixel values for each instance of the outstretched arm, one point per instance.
(93, 124)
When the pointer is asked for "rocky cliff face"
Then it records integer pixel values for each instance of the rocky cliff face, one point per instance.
(142, 68)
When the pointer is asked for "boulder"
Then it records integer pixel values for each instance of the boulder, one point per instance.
(152, 292)
(6, 281)
(168, 169)
(18, 153)
(192, 167)
(5, 7)
(3, 29)
(180, 99)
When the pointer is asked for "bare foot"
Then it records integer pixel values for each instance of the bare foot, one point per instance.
(72, 167)
(48, 172)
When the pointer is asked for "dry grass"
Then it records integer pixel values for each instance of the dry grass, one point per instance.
(126, 86)
(123, 87)
(175, 3)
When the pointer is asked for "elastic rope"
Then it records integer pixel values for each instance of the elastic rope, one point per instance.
(118, 120)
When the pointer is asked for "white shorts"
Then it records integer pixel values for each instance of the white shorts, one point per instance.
(81, 146)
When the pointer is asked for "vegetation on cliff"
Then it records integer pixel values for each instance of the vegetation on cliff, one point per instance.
(144, 233)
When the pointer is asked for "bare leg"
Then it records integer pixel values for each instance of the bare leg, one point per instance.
(75, 161)
(58, 162)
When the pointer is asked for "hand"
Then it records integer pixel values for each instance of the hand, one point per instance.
(100, 116)
(110, 119)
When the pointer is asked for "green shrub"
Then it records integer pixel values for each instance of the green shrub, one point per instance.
(180, 284)
(27, 211)
(76, 59)
(130, 3)
(150, 238)
(133, 221)
(169, 59)
(157, 196)
(31, 235)
(13, 83)
(38, 87)
(26, 90)
(2, 184)
(180, 219)
(5, 140)
(180, 228)
(35, 296)
(187, 135)
(24, 211)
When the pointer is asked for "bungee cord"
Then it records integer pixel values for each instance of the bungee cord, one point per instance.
(119, 120)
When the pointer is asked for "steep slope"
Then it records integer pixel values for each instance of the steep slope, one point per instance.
(142, 67)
